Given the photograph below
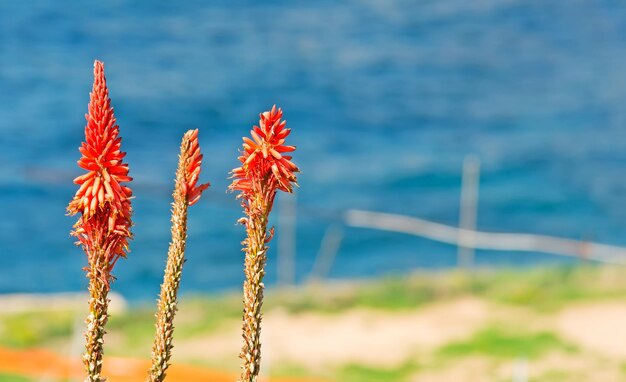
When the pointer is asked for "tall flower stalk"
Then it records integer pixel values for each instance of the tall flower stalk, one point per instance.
(186, 193)
(264, 170)
(103, 202)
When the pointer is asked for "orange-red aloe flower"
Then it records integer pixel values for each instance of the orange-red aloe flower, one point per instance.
(264, 170)
(193, 158)
(263, 160)
(103, 228)
(102, 198)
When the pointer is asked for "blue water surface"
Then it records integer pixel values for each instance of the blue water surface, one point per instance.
(385, 99)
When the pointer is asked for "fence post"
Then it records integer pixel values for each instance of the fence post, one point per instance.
(468, 210)
(327, 253)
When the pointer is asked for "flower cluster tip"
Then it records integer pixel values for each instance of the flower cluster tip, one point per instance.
(263, 158)
(102, 198)
(194, 157)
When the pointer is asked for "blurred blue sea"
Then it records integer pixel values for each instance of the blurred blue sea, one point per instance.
(385, 99)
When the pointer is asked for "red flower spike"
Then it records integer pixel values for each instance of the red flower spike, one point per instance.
(102, 199)
(192, 171)
(262, 157)
(264, 170)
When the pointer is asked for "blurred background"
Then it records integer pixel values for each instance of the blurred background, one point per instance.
(496, 116)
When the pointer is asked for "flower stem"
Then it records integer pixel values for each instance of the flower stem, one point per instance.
(264, 171)
(167, 305)
(256, 256)
(96, 321)
(186, 192)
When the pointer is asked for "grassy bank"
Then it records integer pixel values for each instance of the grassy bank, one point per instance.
(514, 318)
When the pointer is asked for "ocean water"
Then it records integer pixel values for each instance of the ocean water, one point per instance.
(385, 99)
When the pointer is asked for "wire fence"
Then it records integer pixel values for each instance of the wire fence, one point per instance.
(466, 237)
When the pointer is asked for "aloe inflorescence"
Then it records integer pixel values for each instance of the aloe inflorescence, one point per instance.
(103, 202)
(186, 193)
(264, 170)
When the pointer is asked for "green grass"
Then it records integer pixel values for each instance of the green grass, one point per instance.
(30, 329)
(390, 293)
(542, 289)
(286, 369)
(362, 373)
(556, 376)
(14, 378)
(496, 342)
(548, 289)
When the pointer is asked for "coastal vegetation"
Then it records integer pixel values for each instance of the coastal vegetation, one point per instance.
(486, 322)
